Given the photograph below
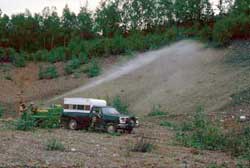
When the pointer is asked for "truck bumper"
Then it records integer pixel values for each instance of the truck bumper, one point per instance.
(125, 126)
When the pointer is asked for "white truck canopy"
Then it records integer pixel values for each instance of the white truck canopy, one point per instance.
(85, 101)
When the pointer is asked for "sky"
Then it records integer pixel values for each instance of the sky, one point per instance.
(10, 7)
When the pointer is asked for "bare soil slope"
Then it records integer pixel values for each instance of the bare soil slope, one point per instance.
(179, 77)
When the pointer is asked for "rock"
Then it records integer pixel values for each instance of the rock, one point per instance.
(243, 118)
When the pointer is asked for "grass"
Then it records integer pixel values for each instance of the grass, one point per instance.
(143, 145)
(54, 145)
(8, 77)
(239, 53)
(242, 97)
(1, 111)
(120, 105)
(157, 111)
(49, 72)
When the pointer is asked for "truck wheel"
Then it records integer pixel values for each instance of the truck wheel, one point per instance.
(72, 124)
(111, 128)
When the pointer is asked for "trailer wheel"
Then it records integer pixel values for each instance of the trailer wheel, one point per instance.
(73, 124)
(111, 128)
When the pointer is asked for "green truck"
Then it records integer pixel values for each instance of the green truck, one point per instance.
(80, 113)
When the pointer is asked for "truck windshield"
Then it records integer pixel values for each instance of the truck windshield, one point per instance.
(110, 111)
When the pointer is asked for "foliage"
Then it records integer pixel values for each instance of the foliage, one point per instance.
(117, 27)
(120, 105)
(56, 55)
(143, 145)
(168, 124)
(49, 72)
(54, 145)
(19, 60)
(157, 111)
(242, 97)
(204, 135)
(1, 111)
(72, 65)
(94, 69)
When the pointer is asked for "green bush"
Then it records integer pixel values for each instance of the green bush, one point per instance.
(157, 111)
(120, 105)
(49, 72)
(242, 97)
(136, 42)
(204, 134)
(83, 57)
(206, 33)
(94, 69)
(19, 60)
(222, 33)
(56, 55)
(238, 142)
(143, 145)
(40, 55)
(117, 45)
(54, 145)
(72, 65)
(1, 111)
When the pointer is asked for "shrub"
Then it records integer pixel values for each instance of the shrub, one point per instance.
(83, 57)
(157, 111)
(204, 135)
(94, 69)
(143, 144)
(1, 111)
(57, 54)
(120, 105)
(54, 145)
(72, 65)
(117, 45)
(242, 97)
(19, 60)
(167, 124)
(206, 33)
(8, 77)
(238, 142)
(40, 55)
(136, 42)
(49, 72)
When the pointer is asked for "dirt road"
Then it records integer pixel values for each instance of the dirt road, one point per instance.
(178, 77)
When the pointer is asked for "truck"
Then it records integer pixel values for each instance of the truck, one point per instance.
(84, 113)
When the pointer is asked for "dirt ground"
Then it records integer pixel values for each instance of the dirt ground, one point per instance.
(87, 149)
(178, 77)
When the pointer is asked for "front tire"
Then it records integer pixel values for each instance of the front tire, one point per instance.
(73, 124)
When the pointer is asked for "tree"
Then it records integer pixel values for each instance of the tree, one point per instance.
(108, 18)
(241, 7)
(69, 24)
(85, 23)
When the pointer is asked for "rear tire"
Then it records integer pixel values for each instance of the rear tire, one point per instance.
(111, 128)
(73, 124)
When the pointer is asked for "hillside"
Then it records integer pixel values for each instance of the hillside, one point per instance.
(178, 77)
